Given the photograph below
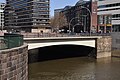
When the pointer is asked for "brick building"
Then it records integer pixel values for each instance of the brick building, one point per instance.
(82, 16)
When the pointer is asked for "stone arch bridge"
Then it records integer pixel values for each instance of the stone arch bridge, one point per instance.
(102, 44)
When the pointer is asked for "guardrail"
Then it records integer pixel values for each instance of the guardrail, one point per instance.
(95, 34)
(10, 41)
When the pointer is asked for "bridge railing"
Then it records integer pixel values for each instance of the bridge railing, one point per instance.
(95, 34)
(35, 35)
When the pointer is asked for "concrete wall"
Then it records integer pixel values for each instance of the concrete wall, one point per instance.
(115, 44)
(14, 63)
(42, 29)
(103, 47)
(115, 40)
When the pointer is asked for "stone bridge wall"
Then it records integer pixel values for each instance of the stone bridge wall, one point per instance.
(103, 47)
(14, 63)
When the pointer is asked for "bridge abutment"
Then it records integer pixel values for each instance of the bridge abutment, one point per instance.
(103, 47)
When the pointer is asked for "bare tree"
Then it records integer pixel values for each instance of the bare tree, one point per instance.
(54, 22)
(63, 20)
(58, 21)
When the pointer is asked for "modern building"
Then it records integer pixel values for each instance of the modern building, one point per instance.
(105, 23)
(27, 15)
(111, 8)
(2, 5)
(82, 17)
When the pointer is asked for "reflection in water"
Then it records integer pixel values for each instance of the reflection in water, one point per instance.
(80, 68)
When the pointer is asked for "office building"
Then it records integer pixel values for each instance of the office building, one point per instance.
(2, 5)
(27, 15)
(112, 9)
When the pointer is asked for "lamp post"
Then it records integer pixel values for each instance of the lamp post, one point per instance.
(90, 17)
(74, 27)
(71, 21)
(84, 22)
(78, 18)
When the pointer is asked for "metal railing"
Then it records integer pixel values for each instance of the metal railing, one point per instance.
(95, 34)
(10, 41)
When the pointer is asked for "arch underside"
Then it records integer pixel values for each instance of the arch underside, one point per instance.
(89, 43)
(59, 52)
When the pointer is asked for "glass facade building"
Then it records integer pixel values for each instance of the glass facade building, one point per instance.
(25, 15)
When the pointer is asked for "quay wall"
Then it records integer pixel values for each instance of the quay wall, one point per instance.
(14, 63)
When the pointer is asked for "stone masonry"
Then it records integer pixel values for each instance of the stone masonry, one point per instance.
(14, 63)
(103, 47)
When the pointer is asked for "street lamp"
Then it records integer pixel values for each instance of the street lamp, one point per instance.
(71, 21)
(78, 18)
(90, 16)
(73, 29)
(84, 22)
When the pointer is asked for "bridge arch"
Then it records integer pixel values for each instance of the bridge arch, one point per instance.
(102, 44)
(90, 43)
(59, 52)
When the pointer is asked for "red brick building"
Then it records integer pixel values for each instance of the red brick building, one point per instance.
(79, 16)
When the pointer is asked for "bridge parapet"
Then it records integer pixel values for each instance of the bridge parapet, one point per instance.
(42, 35)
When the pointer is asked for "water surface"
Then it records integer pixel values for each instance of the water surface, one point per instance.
(78, 68)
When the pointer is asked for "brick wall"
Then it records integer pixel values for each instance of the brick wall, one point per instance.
(14, 63)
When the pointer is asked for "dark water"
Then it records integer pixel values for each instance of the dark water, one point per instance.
(79, 68)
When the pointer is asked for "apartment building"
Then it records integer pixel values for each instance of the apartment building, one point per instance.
(109, 13)
(27, 15)
(2, 5)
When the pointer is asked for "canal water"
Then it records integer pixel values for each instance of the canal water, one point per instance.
(71, 63)
(77, 68)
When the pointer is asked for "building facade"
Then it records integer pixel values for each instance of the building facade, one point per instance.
(2, 5)
(105, 23)
(111, 8)
(82, 17)
(27, 15)
(57, 12)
